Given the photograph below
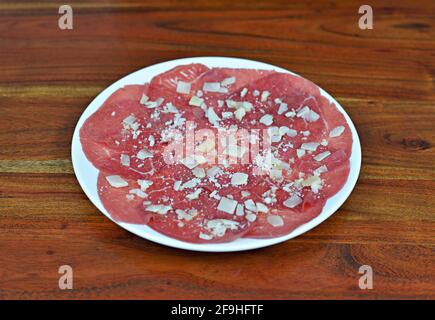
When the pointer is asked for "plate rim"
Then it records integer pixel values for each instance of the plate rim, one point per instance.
(241, 244)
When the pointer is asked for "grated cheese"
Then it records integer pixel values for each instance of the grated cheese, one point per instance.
(177, 185)
(227, 115)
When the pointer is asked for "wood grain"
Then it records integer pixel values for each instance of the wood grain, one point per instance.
(383, 77)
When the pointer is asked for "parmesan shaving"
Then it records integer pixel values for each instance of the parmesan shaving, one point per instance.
(212, 117)
(250, 217)
(204, 236)
(310, 146)
(322, 156)
(243, 92)
(183, 87)
(196, 101)
(177, 185)
(264, 96)
(211, 86)
(139, 193)
(228, 81)
(240, 210)
(250, 205)
(158, 208)
(144, 184)
(239, 179)
(320, 170)
(194, 195)
(307, 114)
(300, 153)
(189, 162)
(336, 132)
(144, 154)
(125, 160)
(218, 227)
(198, 172)
(227, 205)
(275, 221)
(116, 181)
(290, 114)
(283, 107)
(293, 201)
(261, 207)
(240, 113)
(267, 119)
(143, 99)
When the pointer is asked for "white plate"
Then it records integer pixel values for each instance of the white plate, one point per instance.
(87, 174)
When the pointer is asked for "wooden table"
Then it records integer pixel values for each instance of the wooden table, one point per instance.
(383, 77)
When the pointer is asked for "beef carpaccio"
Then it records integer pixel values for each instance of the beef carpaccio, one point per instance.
(210, 155)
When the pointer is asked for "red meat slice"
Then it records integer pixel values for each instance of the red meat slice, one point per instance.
(121, 208)
(165, 84)
(293, 218)
(243, 78)
(104, 139)
(101, 134)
